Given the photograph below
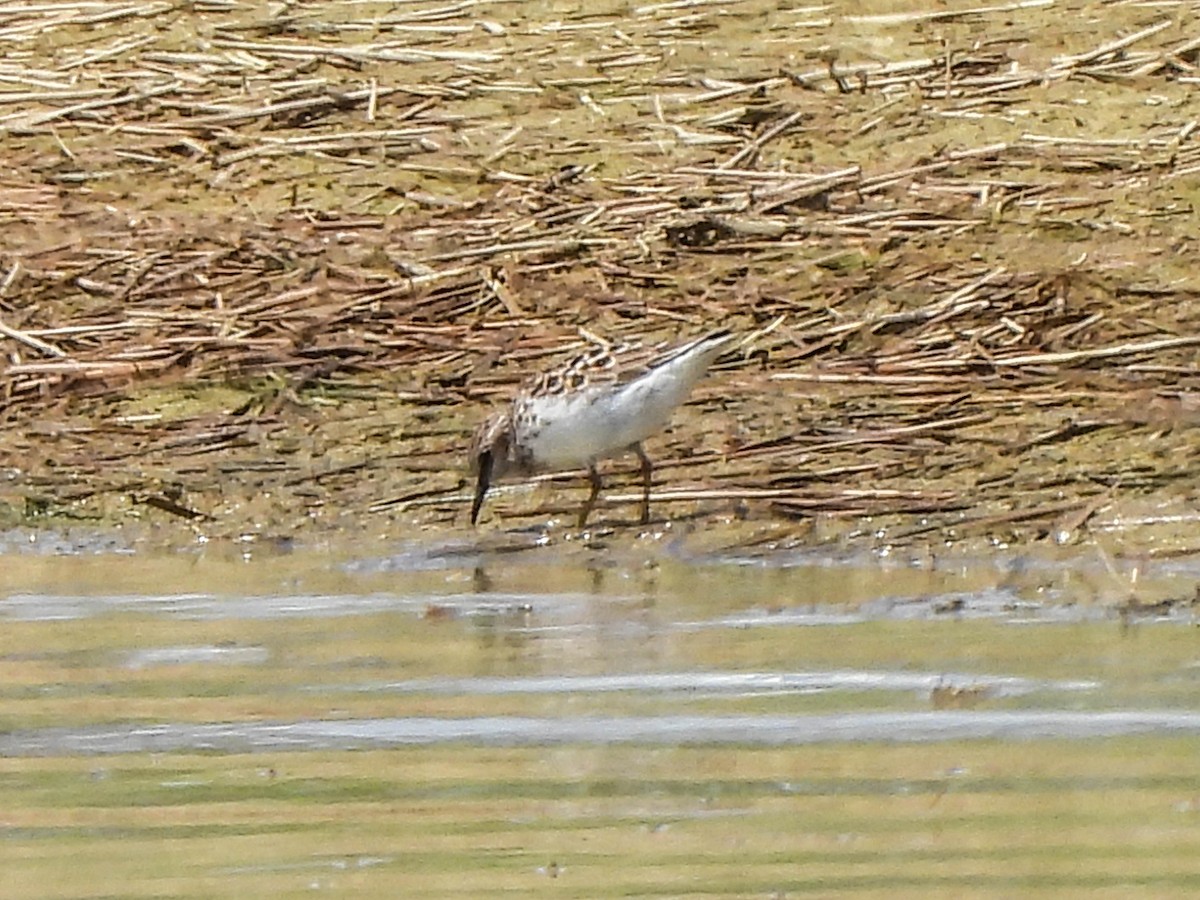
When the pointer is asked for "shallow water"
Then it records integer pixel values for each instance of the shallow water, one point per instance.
(508, 718)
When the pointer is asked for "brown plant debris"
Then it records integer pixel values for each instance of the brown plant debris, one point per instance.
(264, 268)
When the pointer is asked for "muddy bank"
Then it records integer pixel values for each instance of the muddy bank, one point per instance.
(263, 273)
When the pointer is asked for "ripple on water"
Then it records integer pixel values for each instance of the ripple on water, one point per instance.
(690, 730)
(738, 683)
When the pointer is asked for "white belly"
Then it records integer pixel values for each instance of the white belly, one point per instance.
(573, 432)
(570, 431)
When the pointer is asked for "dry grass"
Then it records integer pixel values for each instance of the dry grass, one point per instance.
(262, 266)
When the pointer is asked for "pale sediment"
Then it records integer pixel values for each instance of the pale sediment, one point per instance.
(261, 275)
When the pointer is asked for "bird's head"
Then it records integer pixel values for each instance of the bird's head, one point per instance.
(490, 456)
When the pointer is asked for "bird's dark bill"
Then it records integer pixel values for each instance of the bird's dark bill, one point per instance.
(482, 485)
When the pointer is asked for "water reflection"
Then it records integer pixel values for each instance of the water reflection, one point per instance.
(559, 711)
(518, 731)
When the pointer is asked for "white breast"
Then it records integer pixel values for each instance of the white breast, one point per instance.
(569, 431)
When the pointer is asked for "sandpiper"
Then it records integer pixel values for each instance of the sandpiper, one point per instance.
(589, 409)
